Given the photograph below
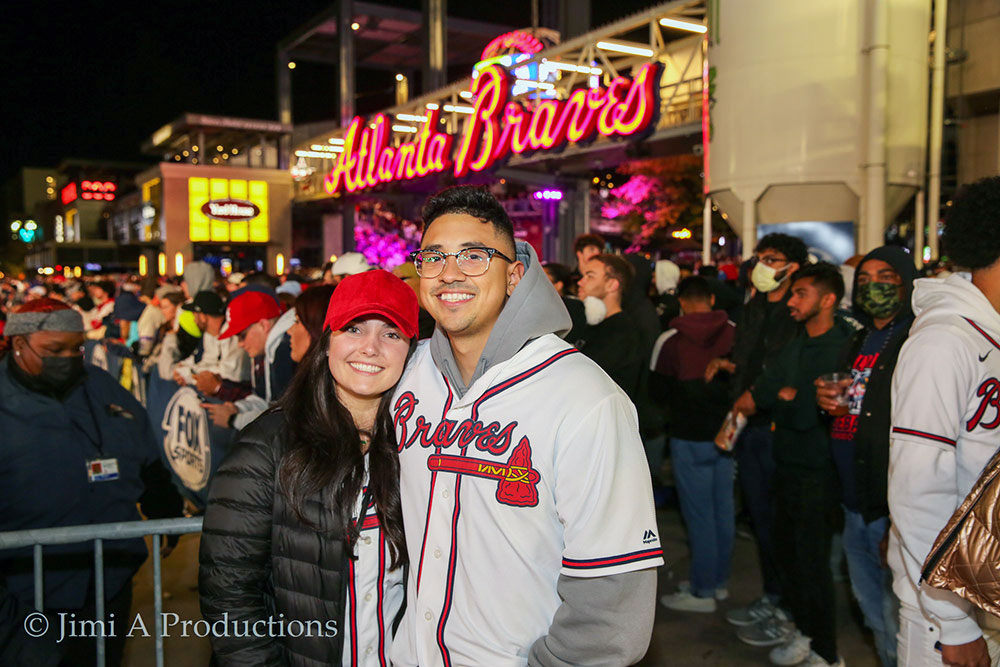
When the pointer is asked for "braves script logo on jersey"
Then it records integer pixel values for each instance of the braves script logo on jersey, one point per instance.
(516, 480)
(989, 390)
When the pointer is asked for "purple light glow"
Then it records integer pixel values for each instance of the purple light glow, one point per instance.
(550, 195)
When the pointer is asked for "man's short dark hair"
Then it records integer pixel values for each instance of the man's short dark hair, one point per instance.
(791, 247)
(694, 288)
(107, 285)
(825, 276)
(476, 201)
(560, 272)
(588, 241)
(972, 225)
(618, 268)
(708, 271)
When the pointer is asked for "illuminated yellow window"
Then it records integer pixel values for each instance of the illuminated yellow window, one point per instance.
(197, 197)
(259, 232)
(148, 192)
(219, 189)
(239, 230)
(201, 227)
(70, 230)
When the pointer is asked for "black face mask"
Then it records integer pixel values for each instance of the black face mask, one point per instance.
(58, 376)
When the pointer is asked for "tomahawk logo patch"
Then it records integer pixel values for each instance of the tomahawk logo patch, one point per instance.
(517, 481)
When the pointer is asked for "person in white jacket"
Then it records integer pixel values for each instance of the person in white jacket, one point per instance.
(222, 357)
(256, 321)
(945, 414)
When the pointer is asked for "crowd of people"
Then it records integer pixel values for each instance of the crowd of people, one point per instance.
(394, 491)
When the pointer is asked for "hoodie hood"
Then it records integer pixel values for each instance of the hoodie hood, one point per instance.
(666, 274)
(199, 276)
(532, 310)
(702, 329)
(128, 307)
(942, 302)
(902, 262)
(639, 290)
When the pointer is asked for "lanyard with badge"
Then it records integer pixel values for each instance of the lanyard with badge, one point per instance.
(101, 468)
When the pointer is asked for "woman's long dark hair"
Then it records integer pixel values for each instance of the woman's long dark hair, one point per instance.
(324, 452)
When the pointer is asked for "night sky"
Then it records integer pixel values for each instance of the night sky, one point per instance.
(93, 80)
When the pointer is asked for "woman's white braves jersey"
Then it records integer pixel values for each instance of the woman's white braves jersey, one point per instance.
(537, 471)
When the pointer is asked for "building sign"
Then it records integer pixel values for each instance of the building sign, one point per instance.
(68, 194)
(187, 445)
(98, 190)
(517, 41)
(496, 129)
(228, 210)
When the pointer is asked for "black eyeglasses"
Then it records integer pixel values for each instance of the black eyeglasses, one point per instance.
(471, 261)
(770, 260)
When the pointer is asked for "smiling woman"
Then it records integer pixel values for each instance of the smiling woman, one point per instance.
(312, 480)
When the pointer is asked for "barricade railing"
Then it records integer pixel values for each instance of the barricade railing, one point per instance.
(99, 533)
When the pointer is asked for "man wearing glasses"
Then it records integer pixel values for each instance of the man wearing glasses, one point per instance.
(764, 327)
(526, 498)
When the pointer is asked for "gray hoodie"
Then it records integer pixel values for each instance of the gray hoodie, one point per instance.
(602, 620)
(199, 276)
(532, 310)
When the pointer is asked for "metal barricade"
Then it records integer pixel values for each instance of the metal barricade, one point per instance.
(99, 533)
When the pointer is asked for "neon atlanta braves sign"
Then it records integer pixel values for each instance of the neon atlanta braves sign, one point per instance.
(495, 129)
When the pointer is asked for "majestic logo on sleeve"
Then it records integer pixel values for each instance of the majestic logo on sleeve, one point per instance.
(989, 406)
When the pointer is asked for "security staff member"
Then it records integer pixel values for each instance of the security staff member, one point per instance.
(76, 449)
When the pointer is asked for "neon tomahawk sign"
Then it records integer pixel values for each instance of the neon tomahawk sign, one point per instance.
(496, 129)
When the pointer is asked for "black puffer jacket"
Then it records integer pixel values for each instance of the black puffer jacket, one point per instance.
(258, 560)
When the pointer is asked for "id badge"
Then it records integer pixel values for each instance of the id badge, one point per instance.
(102, 470)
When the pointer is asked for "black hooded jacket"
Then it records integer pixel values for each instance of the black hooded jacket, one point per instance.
(871, 440)
(641, 310)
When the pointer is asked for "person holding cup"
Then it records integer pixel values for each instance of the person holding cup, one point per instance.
(805, 497)
(860, 402)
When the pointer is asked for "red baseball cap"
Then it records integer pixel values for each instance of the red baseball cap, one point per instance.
(248, 309)
(373, 293)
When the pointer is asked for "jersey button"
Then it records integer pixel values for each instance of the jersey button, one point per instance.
(437, 553)
(366, 539)
(428, 616)
(368, 650)
(368, 597)
(445, 493)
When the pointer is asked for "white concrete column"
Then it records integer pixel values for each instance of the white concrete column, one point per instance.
(749, 234)
(937, 124)
(706, 232)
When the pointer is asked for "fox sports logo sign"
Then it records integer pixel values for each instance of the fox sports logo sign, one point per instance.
(187, 443)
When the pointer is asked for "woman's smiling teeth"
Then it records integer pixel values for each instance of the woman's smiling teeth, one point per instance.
(365, 368)
(455, 297)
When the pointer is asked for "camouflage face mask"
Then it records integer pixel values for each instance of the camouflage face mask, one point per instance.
(880, 300)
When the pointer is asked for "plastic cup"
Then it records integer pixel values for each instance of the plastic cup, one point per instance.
(836, 379)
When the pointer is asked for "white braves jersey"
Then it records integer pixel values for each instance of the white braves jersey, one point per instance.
(537, 471)
(945, 419)
(374, 594)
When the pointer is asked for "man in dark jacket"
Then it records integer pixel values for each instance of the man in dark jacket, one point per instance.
(765, 326)
(614, 342)
(859, 438)
(703, 473)
(804, 480)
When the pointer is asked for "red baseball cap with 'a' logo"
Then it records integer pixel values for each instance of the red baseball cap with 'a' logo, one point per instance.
(248, 309)
(373, 293)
